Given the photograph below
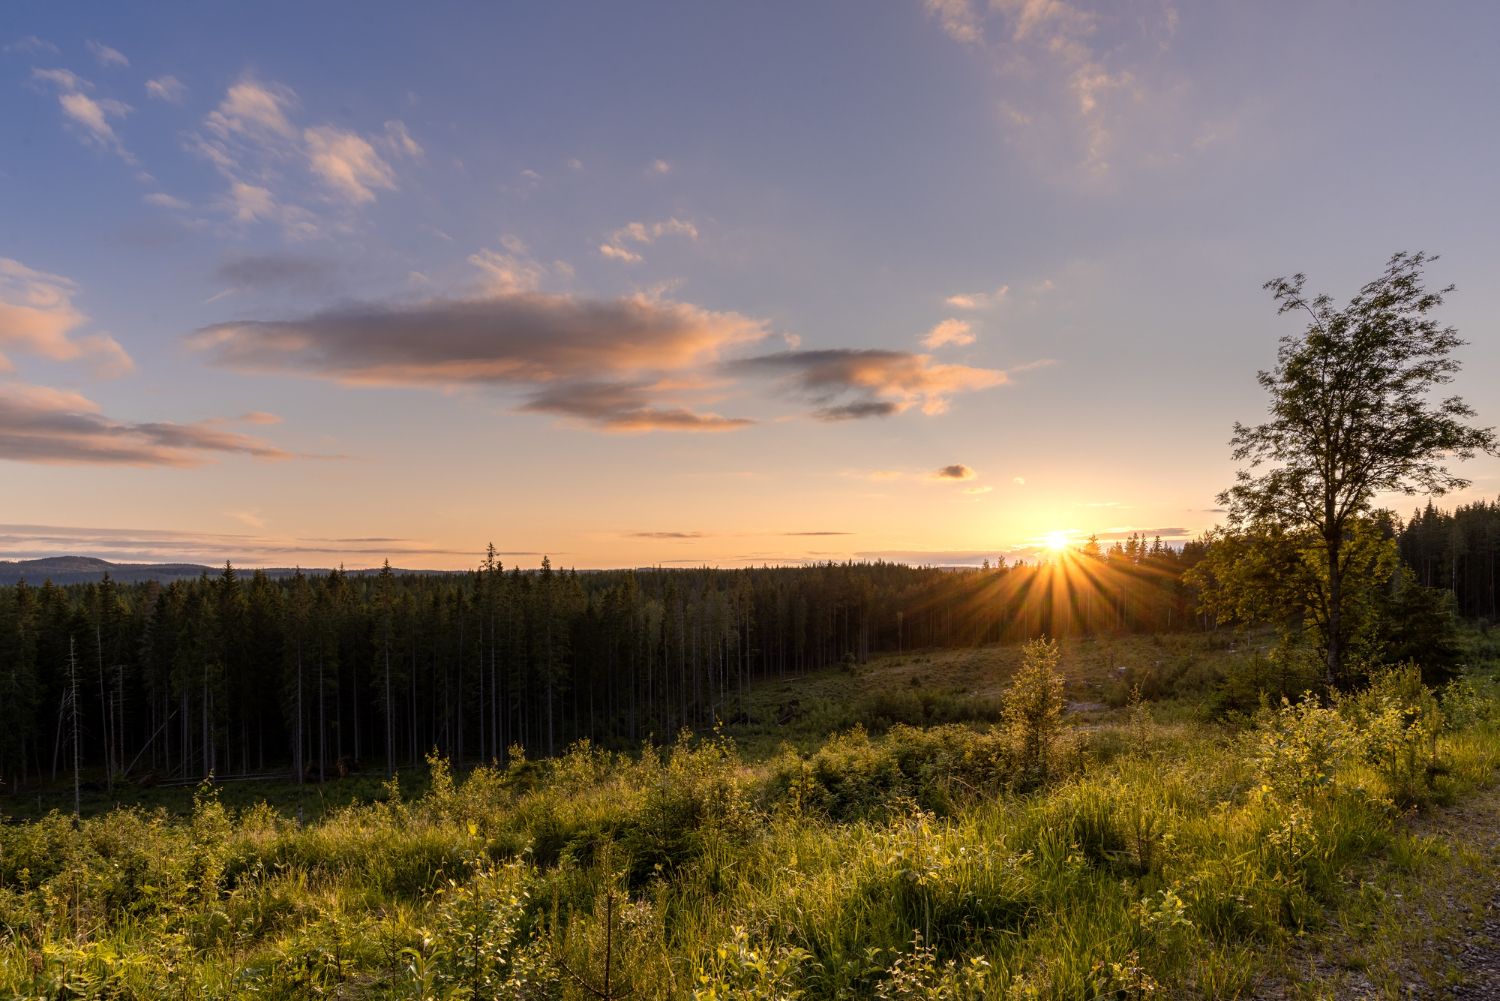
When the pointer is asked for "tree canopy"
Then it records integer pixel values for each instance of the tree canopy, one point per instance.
(1352, 414)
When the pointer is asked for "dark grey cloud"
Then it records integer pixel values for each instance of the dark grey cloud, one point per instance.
(620, 365)
(853, 383)
(957, 471)
(515, 338)
(290, 272)
(857, 411)
(624, 407)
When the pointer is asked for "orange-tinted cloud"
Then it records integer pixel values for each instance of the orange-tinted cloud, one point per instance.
(956, 332)
(851, 383)
(625, 407)
(45, 425)
(514, 338)
(37, 316)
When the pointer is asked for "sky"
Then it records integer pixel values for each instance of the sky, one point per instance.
(685, 284)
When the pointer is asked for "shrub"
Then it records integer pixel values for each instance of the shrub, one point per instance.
(1033, 711)
(1399, 722)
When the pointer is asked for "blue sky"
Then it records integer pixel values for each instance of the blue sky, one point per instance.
(685, 283)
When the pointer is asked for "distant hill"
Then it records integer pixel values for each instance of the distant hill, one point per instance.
(87, 569)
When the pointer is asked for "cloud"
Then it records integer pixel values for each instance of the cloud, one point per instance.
(1074, 91)
(660, 167)
(857, 411)
(44, 425)
(880, 382)
(955, 332)
(977, 490)
(94, 116)
(107, 56)
(1019, 481)
(666, 535)
(644, 234)
(347, 163)
(815, 533)
(619, 253)
(398, 140)
(933, 557)
(257, 417)
(977, 300)
(251, 109)
(957, 471)
(164, 201)
(61, 79)
(249, 518)
(510, 270)
(624, 407)
(250, 203)
(958, 19)
(251, 138)
(37, 316)
(90, 117)
(212, 548)
(166, 88)
(297, 272)
(33, 45)
(507, 338)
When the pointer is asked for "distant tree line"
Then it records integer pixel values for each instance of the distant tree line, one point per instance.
(1458, 551)
(233, 674)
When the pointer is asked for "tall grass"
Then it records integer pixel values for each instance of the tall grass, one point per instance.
(1132, 860)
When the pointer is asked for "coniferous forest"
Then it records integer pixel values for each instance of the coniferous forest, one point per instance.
(320, 674)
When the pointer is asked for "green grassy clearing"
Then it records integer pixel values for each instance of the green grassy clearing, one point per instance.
(1176, 849)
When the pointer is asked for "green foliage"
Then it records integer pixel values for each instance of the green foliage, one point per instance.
(1352, 414)
(920, 864)
(1033, 709)
(1399, 720)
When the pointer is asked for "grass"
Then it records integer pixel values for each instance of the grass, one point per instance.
(1169, 851)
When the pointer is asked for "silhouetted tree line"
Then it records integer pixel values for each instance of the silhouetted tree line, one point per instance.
(1458, 551)
(230, 674)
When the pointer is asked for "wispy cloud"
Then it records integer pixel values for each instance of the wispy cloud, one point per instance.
(347, 163)
(644, 234)
(37, 315)
(253, 140)
(108, 58)
(166, 88)
(88, 116)
(958, 18)
(33, 45)
(213, 548)
(510, 269)
(162, 200)
(955, 332)
(1082, 85)
(978, 300)
(45, 425)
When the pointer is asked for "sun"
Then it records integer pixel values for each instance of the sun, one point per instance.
(1056, 542)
